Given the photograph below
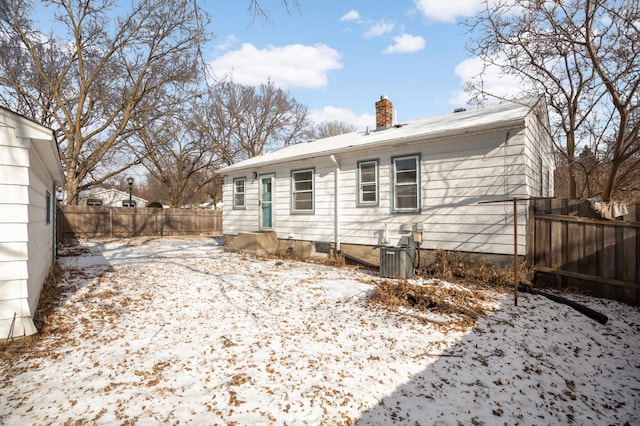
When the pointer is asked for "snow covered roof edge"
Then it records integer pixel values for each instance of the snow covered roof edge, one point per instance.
(497, 115)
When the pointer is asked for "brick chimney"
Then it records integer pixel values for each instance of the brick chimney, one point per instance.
(384, 113)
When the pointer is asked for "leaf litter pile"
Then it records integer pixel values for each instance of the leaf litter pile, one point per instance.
(434, 296)
(175, 331)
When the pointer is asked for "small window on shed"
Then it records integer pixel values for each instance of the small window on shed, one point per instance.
(48, 208)
(94, 202)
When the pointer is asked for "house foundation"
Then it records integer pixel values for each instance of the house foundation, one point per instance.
(261, 243)
(257, 243)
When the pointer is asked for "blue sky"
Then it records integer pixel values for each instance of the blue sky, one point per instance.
(339, 57)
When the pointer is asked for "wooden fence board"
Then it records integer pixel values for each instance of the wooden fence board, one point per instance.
(574, 247)
(100, 221)
(575, 251)
(590, 255)
(557, 245)
(608, 252)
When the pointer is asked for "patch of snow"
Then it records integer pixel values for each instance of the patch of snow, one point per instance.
(172, 330)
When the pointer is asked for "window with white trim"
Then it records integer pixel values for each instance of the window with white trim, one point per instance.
(239, 198)
(368, 183)
(406, 184)
(302, 191)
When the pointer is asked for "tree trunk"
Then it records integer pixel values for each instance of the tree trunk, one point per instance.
(71, 186)
(571, 159)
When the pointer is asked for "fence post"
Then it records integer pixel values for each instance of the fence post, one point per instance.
(531, 235)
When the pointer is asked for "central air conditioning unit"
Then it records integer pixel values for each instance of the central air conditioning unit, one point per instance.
(397, 262)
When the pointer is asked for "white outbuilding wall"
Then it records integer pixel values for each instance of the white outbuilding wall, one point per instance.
(30, 171)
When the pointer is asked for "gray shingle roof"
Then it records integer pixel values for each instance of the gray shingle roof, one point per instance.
(493, 116)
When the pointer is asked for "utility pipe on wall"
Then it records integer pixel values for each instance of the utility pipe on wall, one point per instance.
(385, 234)
(336, 189)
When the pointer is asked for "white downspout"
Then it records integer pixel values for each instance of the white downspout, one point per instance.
(336, 220)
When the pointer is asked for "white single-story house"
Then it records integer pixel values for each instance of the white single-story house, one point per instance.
(101, 196)
(30, 173)
(419, 183)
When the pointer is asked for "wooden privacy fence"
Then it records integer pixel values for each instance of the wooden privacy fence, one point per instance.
(572, 247)
(94, 221)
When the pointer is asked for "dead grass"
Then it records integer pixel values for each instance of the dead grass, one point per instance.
(464, 295)
(49, 299)
(449, 266)
(435, 297)
(46, 319)
(465, 299)
(338, 260)
(51, 295)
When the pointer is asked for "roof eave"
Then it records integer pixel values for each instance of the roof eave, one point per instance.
(391, 142)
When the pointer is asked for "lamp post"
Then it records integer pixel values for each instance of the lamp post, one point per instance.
(130, 183)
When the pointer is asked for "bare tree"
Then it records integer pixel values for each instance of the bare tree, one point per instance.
(245, 121)
(612, 42)
(178, 156)
(101, 76)
(257, 11)
(327, 129)
(584, 56)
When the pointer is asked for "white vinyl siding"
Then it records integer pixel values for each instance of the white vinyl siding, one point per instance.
(28, 174)
(240, 220)
(239, 193)
(367, 183)
(302, 195)
(539, 160)
(458, 173)
(454, 173)
(406, 184)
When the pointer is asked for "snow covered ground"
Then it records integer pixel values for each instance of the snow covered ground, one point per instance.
(168, 331)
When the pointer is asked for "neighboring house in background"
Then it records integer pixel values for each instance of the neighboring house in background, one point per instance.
(211, 205)
(100, 196)
(30, 173)
(363, 190)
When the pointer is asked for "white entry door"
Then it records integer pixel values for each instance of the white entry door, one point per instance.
(266, 201)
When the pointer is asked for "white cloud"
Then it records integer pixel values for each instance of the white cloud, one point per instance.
(448, 11)
(331, 113)
(352, 15)
(227, 43)
(293, 65)
(493, 80)
(381, 28)
(406, 43)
